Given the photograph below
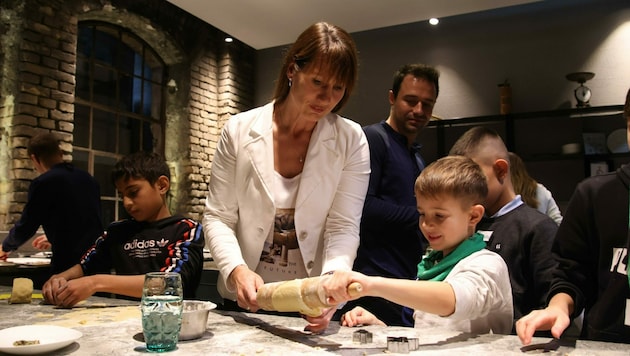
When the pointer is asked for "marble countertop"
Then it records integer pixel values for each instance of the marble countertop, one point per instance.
(117, 330)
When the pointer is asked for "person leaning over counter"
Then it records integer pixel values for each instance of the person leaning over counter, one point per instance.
(289, 178)
(64, 200)
(519, 233)
(591, 247)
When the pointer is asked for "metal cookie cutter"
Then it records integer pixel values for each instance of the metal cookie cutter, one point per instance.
(362, 336)
(402, 345)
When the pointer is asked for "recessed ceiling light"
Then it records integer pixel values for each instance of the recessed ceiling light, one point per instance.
(229, 39)
(433, 21)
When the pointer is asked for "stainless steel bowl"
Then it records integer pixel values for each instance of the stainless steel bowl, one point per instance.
(195, 319)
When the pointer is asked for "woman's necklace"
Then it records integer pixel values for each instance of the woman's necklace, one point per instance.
(295, 141)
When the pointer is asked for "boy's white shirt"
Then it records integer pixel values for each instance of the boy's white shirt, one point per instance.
(483, 297)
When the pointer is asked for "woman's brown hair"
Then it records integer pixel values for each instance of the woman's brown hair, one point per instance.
(327, 46)
(522, 182)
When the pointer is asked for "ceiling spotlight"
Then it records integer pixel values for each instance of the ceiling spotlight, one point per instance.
(229, 39)
(433, 21)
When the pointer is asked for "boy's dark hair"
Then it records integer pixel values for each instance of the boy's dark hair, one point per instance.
(141, 165)
(45, 147)
(418, 70)
(456, 176)
(476, 140)
(626, 107)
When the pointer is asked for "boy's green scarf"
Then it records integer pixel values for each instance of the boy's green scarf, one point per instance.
(435, 267)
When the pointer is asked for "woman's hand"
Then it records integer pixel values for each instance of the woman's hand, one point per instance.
(246, 283)
(318, 324)
(359, 316)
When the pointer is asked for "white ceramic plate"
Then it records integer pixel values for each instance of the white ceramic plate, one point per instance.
(617, 142)
(50, 338)
(29, 261)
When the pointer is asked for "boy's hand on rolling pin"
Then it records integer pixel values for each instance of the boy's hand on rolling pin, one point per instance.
(339, 287)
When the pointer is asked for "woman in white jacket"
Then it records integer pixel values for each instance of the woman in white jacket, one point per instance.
(289, 178)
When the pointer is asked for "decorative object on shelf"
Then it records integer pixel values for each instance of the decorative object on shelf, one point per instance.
(505, 97)
(594, 143)
(598, 168)
(571, 148)
(582, 93)
(617, 141)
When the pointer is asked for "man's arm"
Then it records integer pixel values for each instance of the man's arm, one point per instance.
(187, 243)
(541, 261)
(376, 210)
(31, 218)
(130, 286)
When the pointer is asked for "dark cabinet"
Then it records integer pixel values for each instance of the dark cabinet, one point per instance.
(539, 137)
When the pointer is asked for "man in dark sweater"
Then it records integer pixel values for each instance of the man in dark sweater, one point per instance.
(592, 250)
(391, 242)
(64, 200)
(522, 235)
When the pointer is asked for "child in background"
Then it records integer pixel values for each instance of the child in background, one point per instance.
(461, 285)
(519, 233)
(593, 272)
(152, 240)
(533, 193)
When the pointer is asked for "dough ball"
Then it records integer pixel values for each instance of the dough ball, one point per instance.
(22, 291)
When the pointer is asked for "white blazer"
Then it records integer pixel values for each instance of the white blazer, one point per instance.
(240, 211)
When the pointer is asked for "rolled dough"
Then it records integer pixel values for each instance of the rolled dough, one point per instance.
(287, 297)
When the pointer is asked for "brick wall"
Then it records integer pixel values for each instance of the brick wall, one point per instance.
(38, 39)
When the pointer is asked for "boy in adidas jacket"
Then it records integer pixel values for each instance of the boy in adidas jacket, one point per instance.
(152, 240)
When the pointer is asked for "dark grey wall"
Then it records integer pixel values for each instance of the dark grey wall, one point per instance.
(533, 46)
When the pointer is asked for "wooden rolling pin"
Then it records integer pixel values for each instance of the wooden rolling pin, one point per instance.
(305, 295)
